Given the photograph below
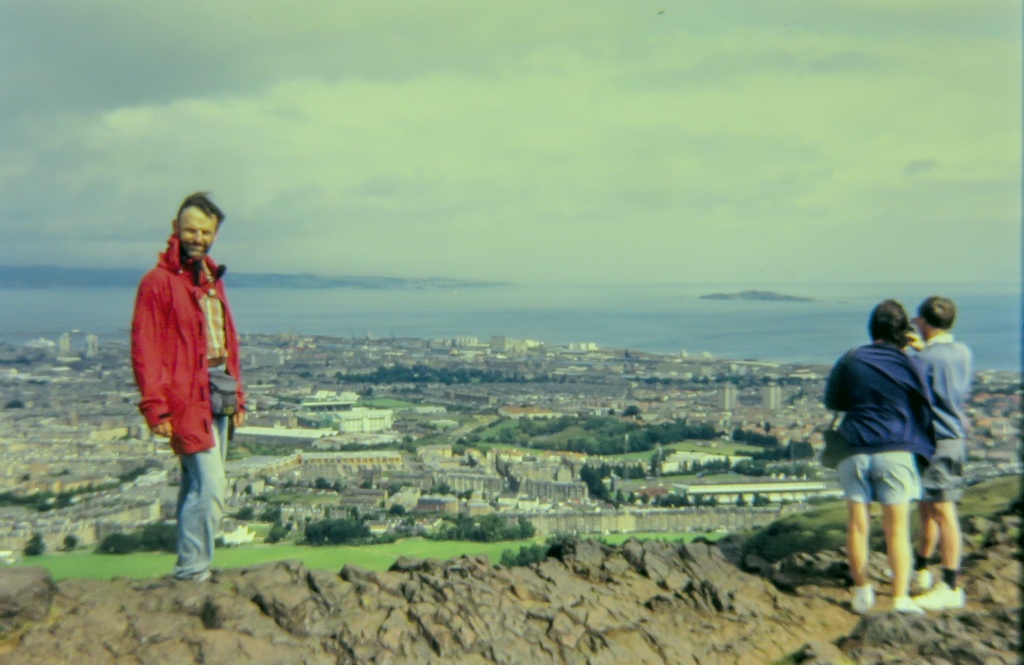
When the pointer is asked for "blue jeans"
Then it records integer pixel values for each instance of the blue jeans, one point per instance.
(201, 503)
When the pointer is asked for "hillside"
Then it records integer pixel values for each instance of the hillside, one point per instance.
(649, 603)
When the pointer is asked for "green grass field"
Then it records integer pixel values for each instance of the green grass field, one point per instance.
(64, 565)
(388, 403)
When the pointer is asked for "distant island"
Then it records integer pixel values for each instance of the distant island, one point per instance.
(27, 277)
(752, 294)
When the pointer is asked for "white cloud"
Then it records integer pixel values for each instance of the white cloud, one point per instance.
(595, 142)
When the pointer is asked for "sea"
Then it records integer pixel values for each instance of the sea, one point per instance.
(660, 318)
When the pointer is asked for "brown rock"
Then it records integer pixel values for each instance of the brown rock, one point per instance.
(644, 602)
(25, 595)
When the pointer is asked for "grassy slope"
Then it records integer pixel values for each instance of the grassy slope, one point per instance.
(824, 527)
(374, 557)
(830, 519)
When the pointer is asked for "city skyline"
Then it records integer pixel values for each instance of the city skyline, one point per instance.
(590, 142)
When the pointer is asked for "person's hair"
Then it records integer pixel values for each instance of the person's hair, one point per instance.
(201, 201)
(889, 323)
(938, 312)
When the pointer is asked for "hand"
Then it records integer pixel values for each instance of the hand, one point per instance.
(914, 341)
(163, 429)
(239, 418)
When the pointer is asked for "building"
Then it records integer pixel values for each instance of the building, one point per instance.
(438, 504)
(680, 461)
(554, 491)
(476, 482)
(291, 436)
(92, 346)
(242, 535)
(727, 397)
(773, 491)
(361, 420)
(328, 400)
(771, 397)
(352, 463)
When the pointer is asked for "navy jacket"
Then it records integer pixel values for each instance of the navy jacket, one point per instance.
(886, 399)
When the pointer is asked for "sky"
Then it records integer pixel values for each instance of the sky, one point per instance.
(568, 142)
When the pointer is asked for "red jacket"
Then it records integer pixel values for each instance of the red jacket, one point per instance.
(169, 350)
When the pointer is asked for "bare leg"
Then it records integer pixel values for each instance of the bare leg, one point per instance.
(944, 514)
(857, 530)
(929, 536)
(897, 545)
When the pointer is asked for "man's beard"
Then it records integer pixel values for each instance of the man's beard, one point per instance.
(190, 254)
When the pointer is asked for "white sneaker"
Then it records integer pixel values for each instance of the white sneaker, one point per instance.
(862, 599)
(923, 579)
(906, 605)
(941, 597)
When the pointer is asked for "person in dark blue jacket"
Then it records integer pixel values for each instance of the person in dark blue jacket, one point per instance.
(888, 423)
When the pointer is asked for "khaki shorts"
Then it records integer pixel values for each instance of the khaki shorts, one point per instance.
(943, 479)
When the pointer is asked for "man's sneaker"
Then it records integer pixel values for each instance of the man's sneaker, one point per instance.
(941, 597)
(923, 579)
(198, 577)
(906, 605)
(862, 599)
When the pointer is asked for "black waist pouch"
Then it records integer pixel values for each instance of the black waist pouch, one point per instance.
(223, 393)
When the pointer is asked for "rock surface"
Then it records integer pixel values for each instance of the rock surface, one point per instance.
(642, 603)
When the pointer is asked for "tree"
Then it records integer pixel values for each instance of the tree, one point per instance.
(245, 513)
(631, 411)
(396, 510)
(70, 542)
(35, 546)
(276, 534)
(271, 514)
(158, 537)
(118, 543)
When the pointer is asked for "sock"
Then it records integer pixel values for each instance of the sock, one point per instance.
(920, 562)
(949, 577)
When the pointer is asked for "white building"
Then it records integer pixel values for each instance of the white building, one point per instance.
(240, 536)
(774, 491)
(363, 420)
(727, 397)
(328, 400)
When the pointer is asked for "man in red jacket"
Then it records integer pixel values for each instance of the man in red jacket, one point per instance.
(186, 363)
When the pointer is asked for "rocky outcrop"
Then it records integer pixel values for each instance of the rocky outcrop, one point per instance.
(25, 596)
(650, 602)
